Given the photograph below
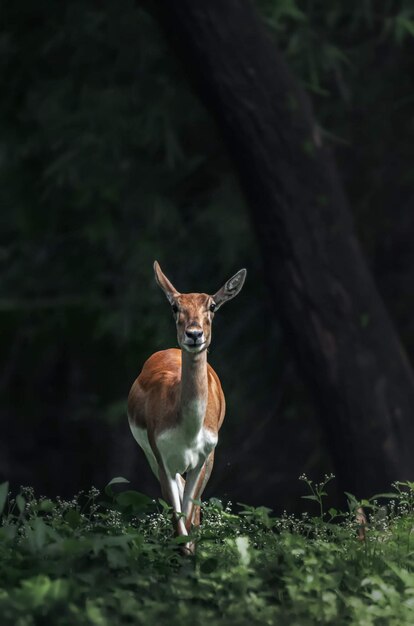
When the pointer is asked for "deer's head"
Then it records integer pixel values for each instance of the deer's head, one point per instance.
(194, 312)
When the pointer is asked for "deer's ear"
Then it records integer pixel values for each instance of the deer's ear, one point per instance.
(167, 287)
(230, 289)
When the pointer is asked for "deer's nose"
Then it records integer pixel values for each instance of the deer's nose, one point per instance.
(194, 334)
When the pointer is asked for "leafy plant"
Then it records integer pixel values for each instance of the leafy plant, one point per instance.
(105, 558)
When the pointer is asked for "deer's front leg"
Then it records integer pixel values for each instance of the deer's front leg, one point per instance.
(171, 493)
(196, 481)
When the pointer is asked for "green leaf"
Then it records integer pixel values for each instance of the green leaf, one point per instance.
(21, 502)
(314, 498)
(164, 504)
(40, 529)
(40, 590)
(352, 501)
(36, 535)
(181, 539)
(46, 505)
(94, 614)
(216, 503)
(134, 499)
(118, 480)
(406, 576)
(4, 490)
(385, 495)
(403, 25)
(73, 518)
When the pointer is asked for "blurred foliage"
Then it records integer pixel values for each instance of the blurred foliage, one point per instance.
(108, 161)
(95, 560)
(102, 172)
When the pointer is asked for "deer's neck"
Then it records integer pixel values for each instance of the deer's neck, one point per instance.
(194, 391)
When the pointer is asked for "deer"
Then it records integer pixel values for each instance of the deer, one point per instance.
(176, 406)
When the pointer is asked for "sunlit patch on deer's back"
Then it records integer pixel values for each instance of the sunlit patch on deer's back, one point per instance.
(156, 387)
(162, 368)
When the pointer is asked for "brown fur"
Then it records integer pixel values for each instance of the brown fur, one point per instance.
(154, 399)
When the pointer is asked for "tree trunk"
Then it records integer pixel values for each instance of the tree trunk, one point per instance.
(332, 315)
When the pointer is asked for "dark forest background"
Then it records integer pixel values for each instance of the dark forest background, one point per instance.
(110, 158)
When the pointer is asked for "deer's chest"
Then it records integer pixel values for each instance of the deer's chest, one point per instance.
(181, 453)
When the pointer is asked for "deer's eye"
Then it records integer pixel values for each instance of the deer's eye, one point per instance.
(174, 308)
(212, 306)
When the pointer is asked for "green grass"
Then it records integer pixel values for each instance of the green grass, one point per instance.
(111, 559)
